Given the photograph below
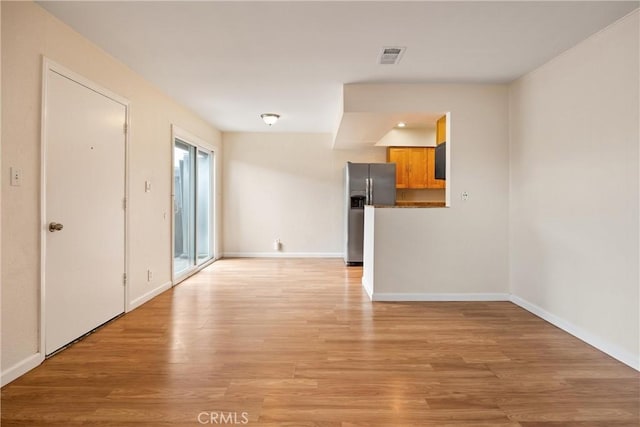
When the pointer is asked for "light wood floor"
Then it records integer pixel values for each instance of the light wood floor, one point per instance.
(297, 343)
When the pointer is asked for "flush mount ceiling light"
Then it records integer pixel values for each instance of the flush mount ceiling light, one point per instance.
(270, 118)
(401, 124)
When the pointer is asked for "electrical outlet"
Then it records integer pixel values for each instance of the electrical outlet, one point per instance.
(464, 196)
(276, 245)
(16, 177)
(147, 186)
(149, 275)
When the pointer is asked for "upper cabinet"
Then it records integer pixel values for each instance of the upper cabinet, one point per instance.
(418, 171)
(400, 156)
(432, 182)
(441, 130)
(415, 167)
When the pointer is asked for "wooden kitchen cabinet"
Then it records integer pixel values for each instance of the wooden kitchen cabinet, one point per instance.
(441, 130)
(418, 168)
(415, 167)
(432, 182)
(400, 156)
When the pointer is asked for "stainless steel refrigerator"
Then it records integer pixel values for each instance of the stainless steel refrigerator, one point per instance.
(365, 184)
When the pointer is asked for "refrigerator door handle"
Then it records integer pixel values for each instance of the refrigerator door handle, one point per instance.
(366, 191)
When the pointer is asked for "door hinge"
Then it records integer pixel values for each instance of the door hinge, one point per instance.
(124, 279)
(124, 203)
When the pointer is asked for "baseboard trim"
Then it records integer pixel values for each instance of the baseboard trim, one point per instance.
(21, 368)
(612, 350)
(629, 359)
(378, 296)
(282, 255)
(148, 296)
(367, 288)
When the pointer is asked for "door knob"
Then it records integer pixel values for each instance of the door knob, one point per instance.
(54, 226)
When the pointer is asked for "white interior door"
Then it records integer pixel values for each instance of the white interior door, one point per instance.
(84, 192)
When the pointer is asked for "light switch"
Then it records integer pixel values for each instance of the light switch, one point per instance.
(147, 186)
(16, 176)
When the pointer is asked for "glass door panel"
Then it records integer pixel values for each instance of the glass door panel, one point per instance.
(183, 209)
(204, 207)
(193, 208)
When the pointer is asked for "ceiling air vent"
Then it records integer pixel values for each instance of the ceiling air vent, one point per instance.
(391, 55)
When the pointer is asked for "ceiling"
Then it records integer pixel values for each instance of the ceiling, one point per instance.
(366, 129)
(232, 61)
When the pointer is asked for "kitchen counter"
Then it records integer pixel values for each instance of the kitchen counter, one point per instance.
(413, 205)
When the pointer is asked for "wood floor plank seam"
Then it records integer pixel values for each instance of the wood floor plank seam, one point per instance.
(296, 342)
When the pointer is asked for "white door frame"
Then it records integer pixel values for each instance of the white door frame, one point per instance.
(200, 144)
(47, 66)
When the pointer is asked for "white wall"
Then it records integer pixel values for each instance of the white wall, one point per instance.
(28, 32)
(2, 179)
(461, 249)
(286, 186)
(419, 137)
(415, 255)
(574, 189)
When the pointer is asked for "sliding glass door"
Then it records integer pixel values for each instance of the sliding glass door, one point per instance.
(183, 208)
(193, 208)
(204, 211)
